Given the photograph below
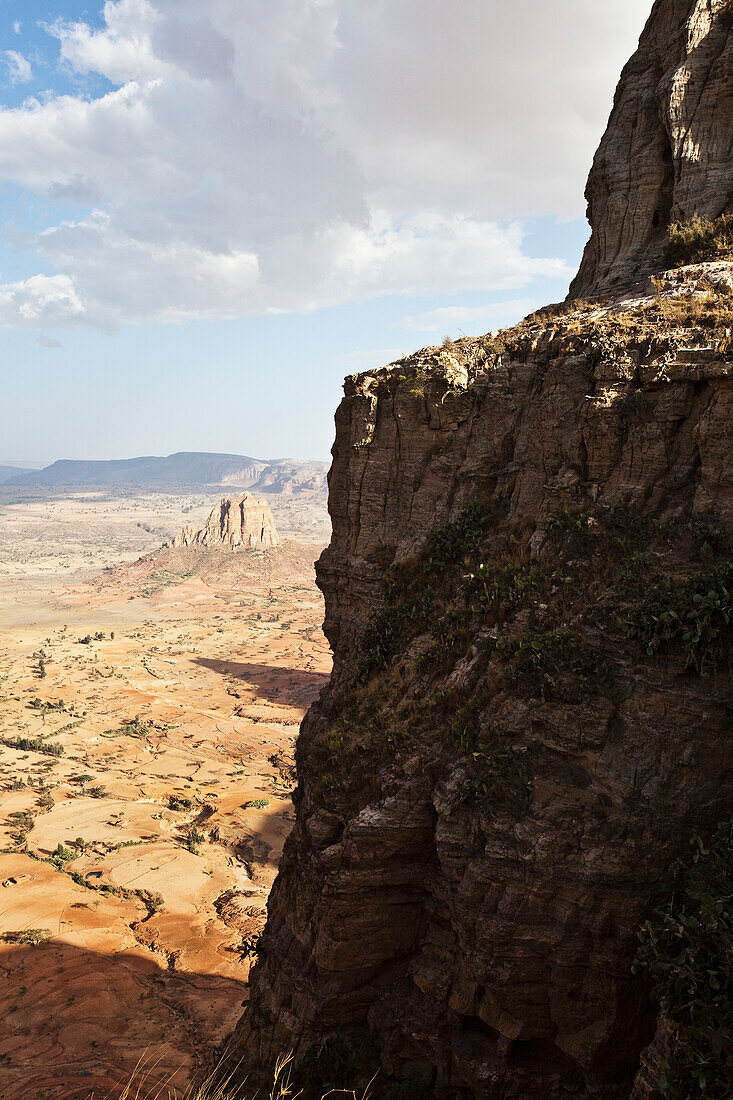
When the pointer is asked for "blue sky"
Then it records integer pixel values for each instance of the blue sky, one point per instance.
(213, 211)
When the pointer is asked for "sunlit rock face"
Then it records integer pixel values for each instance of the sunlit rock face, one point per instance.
(242, 522)
(666, 154)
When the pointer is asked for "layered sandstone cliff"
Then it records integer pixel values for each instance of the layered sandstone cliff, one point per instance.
(242, 522)
(667, 153)
(486, 810)
(526, 597)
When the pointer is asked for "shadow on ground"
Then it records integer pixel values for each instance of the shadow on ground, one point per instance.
(75, 1023)
(290, 686)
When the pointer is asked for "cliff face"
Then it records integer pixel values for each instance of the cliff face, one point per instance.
(243, 522)
(666, 154)
(486, 809)
(527, 594)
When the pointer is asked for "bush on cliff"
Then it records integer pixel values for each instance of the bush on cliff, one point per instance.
(687, 951)
(700, 239)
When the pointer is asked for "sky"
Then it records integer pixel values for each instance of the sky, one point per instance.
(214, 210)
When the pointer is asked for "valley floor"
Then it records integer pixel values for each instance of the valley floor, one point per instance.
(144, 852)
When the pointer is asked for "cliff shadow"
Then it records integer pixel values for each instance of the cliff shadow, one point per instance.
(293, 687)
(78, 1023)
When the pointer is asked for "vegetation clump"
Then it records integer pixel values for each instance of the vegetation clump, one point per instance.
(480, 617)
(178, 802)
(163, 578)
(687, 953)
(33, 744)
(700, 239)
(193, 838)
(62, 855)
(699, 611)
(27, 937)
(45, 706)
(410, 596)
(136, 727)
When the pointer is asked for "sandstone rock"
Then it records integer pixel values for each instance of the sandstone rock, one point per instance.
(242, 522)
(666, 154)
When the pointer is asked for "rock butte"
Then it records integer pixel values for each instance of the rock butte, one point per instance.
(488, 949)
(242, 522)
(667, 152)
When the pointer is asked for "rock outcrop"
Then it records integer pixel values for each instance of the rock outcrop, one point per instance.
(667, 152)
(242, 522)
(528, 715)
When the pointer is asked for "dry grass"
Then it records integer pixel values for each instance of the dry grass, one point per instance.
(708, 310)
(221, 1084)
(700, 239)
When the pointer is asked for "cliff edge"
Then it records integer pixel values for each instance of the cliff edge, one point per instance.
(666, 155)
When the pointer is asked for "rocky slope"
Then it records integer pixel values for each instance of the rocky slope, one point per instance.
(528, 598)
(667, 152)
(242, 522)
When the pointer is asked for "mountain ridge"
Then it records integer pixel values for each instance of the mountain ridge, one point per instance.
(181, 468)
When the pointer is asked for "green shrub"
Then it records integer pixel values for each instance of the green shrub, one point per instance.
(178, 803)
(699, 611)
(700, 239)
(193, 838)
(33, 744)
(687, 952)
(555, 665)
(136, 727)
(257, 804)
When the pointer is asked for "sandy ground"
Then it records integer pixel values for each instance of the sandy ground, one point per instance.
(143, 816)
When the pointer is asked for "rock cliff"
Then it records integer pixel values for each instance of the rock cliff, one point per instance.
(528, 598)
(242, 522)
(667, 152)
(511, 754)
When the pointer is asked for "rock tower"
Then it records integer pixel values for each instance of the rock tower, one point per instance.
(242, 522)
(668, 149)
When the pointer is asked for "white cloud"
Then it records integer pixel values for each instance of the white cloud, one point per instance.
(19, 68)
(40, 300)
(122, 51)
(17, 27)
(44, 341)
(285, 154)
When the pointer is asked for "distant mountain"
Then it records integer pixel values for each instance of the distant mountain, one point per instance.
(184, 468)
(187, 468)
(290, 476)
(6, 472)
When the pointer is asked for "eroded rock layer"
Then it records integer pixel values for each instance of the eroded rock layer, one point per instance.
(511, 755)
(244, 521)
(667, 152)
